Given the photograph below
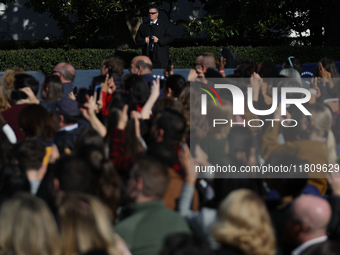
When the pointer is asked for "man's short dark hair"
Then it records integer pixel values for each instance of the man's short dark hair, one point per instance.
(153, 7)
(23, 80)
(154, 174)
(144, 65)
(29, 154)
(74, 174)
(173, 124)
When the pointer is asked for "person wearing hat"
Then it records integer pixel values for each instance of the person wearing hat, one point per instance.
(69, 123)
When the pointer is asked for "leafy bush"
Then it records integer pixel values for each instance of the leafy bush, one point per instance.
(44, 60)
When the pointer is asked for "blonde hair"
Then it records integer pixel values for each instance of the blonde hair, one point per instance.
(27, 227)
(245, 224)
(85, 225)
(8, 79)
(322, 124)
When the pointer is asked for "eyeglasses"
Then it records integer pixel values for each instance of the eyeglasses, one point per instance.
(290, 62)
(152, 13)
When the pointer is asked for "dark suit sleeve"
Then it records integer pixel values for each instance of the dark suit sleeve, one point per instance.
(140, 39)
(334, 225)
(168, 38)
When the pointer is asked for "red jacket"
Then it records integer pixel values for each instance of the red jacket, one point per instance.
(106, 101)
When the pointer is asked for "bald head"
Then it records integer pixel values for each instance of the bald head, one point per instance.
(203, 62)
(66, 72)
(199, 60)
(209, 60)
(313, 211)
(141, 65)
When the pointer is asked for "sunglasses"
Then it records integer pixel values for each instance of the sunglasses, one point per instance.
(54, 71)
(152, 13)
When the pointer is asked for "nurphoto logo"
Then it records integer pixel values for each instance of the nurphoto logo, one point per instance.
(236, 95)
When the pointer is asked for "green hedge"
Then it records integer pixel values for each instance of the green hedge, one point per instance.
(44, 60)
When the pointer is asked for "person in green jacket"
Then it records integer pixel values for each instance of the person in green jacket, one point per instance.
(149, 222)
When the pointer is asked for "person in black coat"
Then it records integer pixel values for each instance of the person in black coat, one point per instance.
(155, 36)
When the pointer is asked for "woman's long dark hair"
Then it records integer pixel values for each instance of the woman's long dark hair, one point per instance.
(330, 67)
(138, 90)
(36, 122)
(55, 87)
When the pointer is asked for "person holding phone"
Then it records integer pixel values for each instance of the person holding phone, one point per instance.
(326, 72)
(114, 66)
(107, 90)
(25, 90)
(96, 87)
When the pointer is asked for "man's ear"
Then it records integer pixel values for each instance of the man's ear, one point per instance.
(304, 227)
(140, 70)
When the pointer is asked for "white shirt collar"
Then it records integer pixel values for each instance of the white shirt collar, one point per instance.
(155, 22)
(307, 244)
(69, 128)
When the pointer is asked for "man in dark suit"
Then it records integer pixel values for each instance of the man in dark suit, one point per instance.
(67, 74)
(155, 36)
(310, 216)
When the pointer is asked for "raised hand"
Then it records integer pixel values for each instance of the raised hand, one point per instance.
(31, 98)
(123, 118)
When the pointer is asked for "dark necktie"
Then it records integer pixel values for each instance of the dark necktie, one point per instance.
(150, 38)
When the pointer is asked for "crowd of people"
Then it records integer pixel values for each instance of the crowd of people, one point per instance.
(109, 169)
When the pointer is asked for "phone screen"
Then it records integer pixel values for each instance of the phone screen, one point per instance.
(99, 90)
(110, 72)
(18, 95)
(81, 97)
